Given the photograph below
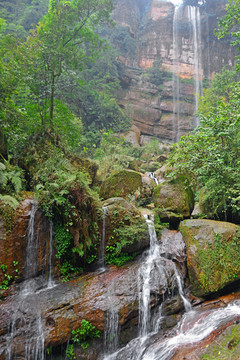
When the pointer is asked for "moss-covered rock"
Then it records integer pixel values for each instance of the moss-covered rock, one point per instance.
(213, 254)
(227, 345)
(174, 201)
(121, 184)
(125, 227)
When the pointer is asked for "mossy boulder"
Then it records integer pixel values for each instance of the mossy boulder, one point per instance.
(213, 254)
(226, 346)
(125, 226)
(173, 201)
(121, 184)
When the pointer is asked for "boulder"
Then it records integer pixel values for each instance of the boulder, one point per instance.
(124, 224)
(213, 254)
(133, 135)
(173, 201)
(121, 184)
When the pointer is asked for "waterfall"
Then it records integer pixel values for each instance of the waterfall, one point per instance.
(26, 327)
(193, 14)
(111, 331)
(31, 251)
(145, 277)
(192, 329)
(152, 176)
(101, 260)
(186, 302)
(155, 269)
(176, 73)
(193, 19)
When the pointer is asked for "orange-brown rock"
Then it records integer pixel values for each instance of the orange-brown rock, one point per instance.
(13, 244)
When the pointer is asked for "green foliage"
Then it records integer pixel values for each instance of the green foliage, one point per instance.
(157, 75)
(82, 336)
(220, 89)
(209, 159)
(22, 15)
(63, 240)
(68, 270)
(230, 25)
(11, 178)
(124, 236)
(114, 255)
(8, 279)
(70, 353)
(224, 258)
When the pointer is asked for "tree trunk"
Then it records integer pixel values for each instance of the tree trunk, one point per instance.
(52, 98)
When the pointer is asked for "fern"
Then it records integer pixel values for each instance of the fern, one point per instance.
(8, 200)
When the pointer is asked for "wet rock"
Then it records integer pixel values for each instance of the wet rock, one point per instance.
(172, 306)
(89, 297)
(172, 245)
(133, 135)
(213, 249)
(13, 244)
(120, 219)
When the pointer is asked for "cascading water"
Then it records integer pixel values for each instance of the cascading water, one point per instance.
(194, 327)
(176, 73)
(101, 260)
(193, 19)
(193, 14)
(26, 328)
(155, 269)
(111, 332)
(152, 176)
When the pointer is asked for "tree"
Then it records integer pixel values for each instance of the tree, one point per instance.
(209, 160)
(230, 24)
(64, 39)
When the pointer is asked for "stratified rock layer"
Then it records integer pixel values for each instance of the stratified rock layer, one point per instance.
(150, 104)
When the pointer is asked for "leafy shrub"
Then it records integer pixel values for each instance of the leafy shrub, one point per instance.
(81, 337)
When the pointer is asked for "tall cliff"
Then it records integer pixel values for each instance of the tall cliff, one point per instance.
(175, 52)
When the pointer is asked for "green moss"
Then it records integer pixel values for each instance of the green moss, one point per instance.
(226, 347)
(218, 263)
(121, 184)
(173, 197)
(213, 254)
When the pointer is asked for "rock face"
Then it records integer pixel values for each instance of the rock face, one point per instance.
(13, 244)
(165, 35)
(62, 308)
(213, 259)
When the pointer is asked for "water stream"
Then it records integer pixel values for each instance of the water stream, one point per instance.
(194, 325)
(26, 329)
(155, 270)
(192, 14)
(176, 73)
